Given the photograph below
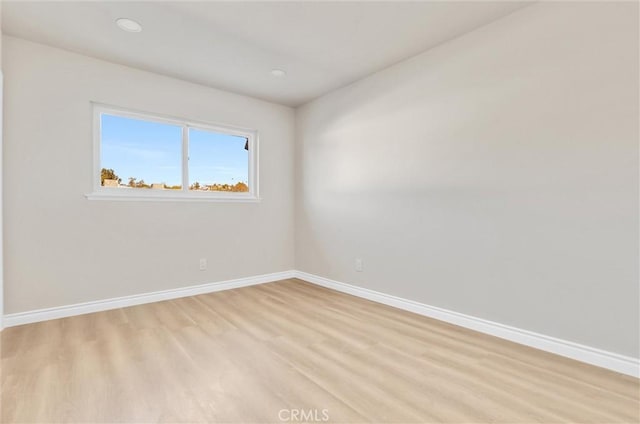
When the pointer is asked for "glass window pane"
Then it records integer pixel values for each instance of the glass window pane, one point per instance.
(218, 162)
(140, 154)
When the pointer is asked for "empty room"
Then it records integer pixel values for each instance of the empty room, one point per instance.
(320, 211)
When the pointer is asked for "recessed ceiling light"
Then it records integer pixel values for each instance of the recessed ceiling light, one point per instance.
(128, 25)
(278, 73)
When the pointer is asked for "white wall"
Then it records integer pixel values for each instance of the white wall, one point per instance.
(1, 172)
(64, 249)
(495, 175)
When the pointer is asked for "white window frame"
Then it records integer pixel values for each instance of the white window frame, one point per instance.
(114, 193)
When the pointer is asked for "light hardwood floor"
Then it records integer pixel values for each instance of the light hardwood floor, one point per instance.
(257, 353)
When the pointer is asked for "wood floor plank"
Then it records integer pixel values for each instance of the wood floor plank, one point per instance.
(261, 353)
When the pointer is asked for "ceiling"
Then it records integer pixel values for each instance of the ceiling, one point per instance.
(235, 45)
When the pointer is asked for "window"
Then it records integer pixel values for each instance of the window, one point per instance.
(139, 156)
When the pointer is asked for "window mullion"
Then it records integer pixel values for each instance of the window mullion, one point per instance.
(185, 158)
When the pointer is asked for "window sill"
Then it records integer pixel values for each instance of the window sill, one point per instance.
(173, 197)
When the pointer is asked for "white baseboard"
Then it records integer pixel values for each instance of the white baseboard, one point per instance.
(28, 317)
(613, 361)
(601, 358)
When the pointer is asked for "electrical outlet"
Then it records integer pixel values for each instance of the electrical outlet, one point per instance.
(358, 265)
(203, 264)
